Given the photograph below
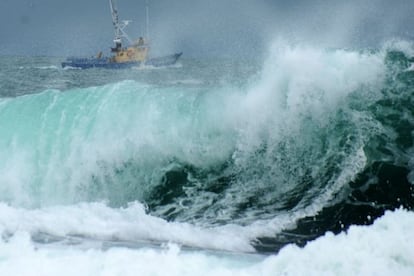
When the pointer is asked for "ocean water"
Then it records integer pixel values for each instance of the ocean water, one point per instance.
(301, 164)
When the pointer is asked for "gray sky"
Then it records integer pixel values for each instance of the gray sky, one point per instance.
(210, 28)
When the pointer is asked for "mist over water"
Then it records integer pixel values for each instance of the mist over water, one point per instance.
(284, 131)
(199, 28)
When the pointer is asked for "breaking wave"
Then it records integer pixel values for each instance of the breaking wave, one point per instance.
(318, 140)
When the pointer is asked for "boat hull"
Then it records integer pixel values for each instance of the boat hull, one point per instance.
(86, 63)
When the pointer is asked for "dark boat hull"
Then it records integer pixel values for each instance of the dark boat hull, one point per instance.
(86, 63)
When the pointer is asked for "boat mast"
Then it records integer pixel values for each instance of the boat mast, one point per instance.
(119, 26)
(147, 20)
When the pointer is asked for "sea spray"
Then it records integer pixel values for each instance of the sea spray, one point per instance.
(381, 249)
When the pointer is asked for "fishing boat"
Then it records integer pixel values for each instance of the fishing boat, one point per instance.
(134, 55)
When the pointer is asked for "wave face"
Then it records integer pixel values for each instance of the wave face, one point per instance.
(315, 140)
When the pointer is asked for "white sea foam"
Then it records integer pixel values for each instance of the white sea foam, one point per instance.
(385, 248)
(97, 221)
(405, 46)
(48, 67)
(151, 67)
(187, 82)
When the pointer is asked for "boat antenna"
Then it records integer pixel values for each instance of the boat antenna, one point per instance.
(119, 26)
